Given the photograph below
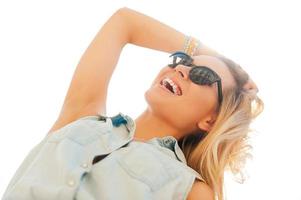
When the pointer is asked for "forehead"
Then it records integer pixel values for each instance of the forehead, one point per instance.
(216, 65)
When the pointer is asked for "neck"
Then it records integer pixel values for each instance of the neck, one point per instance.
(149, 126)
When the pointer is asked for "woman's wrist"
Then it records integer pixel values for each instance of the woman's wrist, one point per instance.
(205, 50)
(195, 47)
(191, 45)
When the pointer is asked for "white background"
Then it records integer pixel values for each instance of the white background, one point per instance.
(41, 43)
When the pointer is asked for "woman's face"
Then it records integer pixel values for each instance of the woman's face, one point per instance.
(194, 108)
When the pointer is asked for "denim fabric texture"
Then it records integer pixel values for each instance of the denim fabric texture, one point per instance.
(95, 157)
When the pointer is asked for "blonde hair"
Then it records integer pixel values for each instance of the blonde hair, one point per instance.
(226, 145)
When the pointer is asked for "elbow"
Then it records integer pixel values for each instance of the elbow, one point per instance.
(122, 10)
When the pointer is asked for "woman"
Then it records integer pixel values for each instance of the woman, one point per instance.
(195, 127)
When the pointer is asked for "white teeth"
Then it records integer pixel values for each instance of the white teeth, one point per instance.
(174, 86)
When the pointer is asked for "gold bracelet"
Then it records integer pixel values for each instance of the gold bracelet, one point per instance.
(191, 44)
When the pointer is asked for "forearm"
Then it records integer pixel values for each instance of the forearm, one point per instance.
(148, 32)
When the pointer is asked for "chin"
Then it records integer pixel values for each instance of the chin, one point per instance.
(148, 96)
(152, 99)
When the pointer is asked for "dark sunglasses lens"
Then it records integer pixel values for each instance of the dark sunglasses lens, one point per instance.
(174, 61)
(202, 75)
(179, 58)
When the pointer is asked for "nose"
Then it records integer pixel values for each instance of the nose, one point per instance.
(183, 71)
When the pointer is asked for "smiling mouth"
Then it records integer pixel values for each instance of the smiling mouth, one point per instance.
(171, 87)
(167, 90)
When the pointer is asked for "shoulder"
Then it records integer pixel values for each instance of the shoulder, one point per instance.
(199, 191)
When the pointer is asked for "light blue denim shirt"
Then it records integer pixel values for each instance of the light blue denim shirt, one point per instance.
(95, 157)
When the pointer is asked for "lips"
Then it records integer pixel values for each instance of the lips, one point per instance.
(167, 90)
(176, 82)
(173, 82)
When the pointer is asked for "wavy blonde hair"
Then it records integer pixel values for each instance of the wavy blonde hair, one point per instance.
(226, 145)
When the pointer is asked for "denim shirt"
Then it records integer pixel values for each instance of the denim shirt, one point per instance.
(95, 157)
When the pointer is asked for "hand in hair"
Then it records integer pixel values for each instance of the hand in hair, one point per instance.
(251, 86)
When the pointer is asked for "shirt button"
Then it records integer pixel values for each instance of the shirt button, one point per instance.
(71, 182)
(84, 165)
(167, 141)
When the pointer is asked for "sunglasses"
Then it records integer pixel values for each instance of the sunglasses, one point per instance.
(200, 75)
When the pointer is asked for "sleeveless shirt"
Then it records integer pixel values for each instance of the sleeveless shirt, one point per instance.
(95, 157)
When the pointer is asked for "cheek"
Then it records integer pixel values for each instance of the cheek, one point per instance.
(200, 99)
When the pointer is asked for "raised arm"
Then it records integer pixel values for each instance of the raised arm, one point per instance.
(87, 92)
(88, 88)
(148, 32)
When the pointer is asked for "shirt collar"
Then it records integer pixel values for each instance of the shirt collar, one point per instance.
(169, 141)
